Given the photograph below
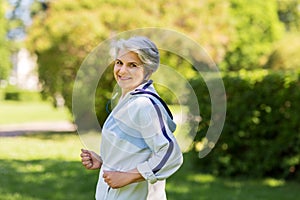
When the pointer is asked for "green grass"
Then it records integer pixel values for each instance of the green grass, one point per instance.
(44, 166)
(187, 184)
(47, 166)
(21, 112)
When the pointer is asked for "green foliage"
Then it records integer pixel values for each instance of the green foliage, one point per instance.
(14, 93)
(288, 12)
(261, 135)
(64, 34)
(285, 55)
(256, 27)
(12, 96)
(67, 31)
(4, 50)
(11, 93)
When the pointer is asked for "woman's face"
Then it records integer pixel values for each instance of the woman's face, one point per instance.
(128, 70)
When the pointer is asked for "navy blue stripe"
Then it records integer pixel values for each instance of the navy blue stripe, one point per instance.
(165, 158)
(147, 85)
(163, 129)
(140, 91)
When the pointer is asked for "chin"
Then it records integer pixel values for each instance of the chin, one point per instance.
(123, 85)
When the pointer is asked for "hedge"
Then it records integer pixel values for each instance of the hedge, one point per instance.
(15, 94)
(261, 134)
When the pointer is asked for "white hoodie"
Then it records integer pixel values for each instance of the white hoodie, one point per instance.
(138, 133)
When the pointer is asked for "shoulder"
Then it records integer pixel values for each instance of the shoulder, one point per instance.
(138, 113)
(140, 103)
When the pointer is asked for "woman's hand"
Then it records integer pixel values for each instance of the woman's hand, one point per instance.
(90, 160)
(117, 179)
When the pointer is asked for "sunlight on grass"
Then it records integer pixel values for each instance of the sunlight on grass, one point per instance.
(44, 166)
(47, 166)
(188, 184)
(15, 196)
(274, 182)
(201, 178)
(30, 167)
(22, 112)
(56, 146)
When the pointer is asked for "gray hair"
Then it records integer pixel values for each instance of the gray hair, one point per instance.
(143, 47)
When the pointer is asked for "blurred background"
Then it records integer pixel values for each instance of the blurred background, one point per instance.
(255, 44)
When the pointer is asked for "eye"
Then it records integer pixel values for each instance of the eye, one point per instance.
(118, 62)
(132, 65)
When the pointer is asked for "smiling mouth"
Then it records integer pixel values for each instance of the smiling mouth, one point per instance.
(123, 78)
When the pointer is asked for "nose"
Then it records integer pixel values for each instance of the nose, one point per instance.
(122, 69)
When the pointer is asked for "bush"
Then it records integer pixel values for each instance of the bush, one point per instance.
(11, 93)
(16, 94)
(30, 95)
(261, 135)
(285, 55)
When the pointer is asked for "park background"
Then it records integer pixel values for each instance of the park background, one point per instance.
(255, 44)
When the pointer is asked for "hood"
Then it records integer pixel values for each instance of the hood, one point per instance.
(148, 90)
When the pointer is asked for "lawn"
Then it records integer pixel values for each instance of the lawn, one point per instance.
(47, 166)
(44, 166)
(12, 112)
(190, 185)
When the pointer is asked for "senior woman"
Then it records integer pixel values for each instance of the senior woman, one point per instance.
(138, 148)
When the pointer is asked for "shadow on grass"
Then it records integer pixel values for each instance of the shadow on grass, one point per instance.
(57, 179)
(189, 184)
(46, 179)
(50, 135)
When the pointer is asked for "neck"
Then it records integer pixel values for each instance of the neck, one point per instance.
(124, 92)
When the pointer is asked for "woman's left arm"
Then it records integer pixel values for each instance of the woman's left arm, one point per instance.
(166, 154)
(116, 179)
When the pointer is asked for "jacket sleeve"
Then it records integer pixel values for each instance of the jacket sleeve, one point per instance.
(166, 154)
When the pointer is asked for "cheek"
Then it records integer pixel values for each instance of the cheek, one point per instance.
(115, 73)
(139, 76)
(115, 70)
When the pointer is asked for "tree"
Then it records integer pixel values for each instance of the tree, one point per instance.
(4, 44)
(256, 27)
(65, 33)
(285, 57)
(289, 14)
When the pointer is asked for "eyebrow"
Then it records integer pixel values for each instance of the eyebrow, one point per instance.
(130, 62)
